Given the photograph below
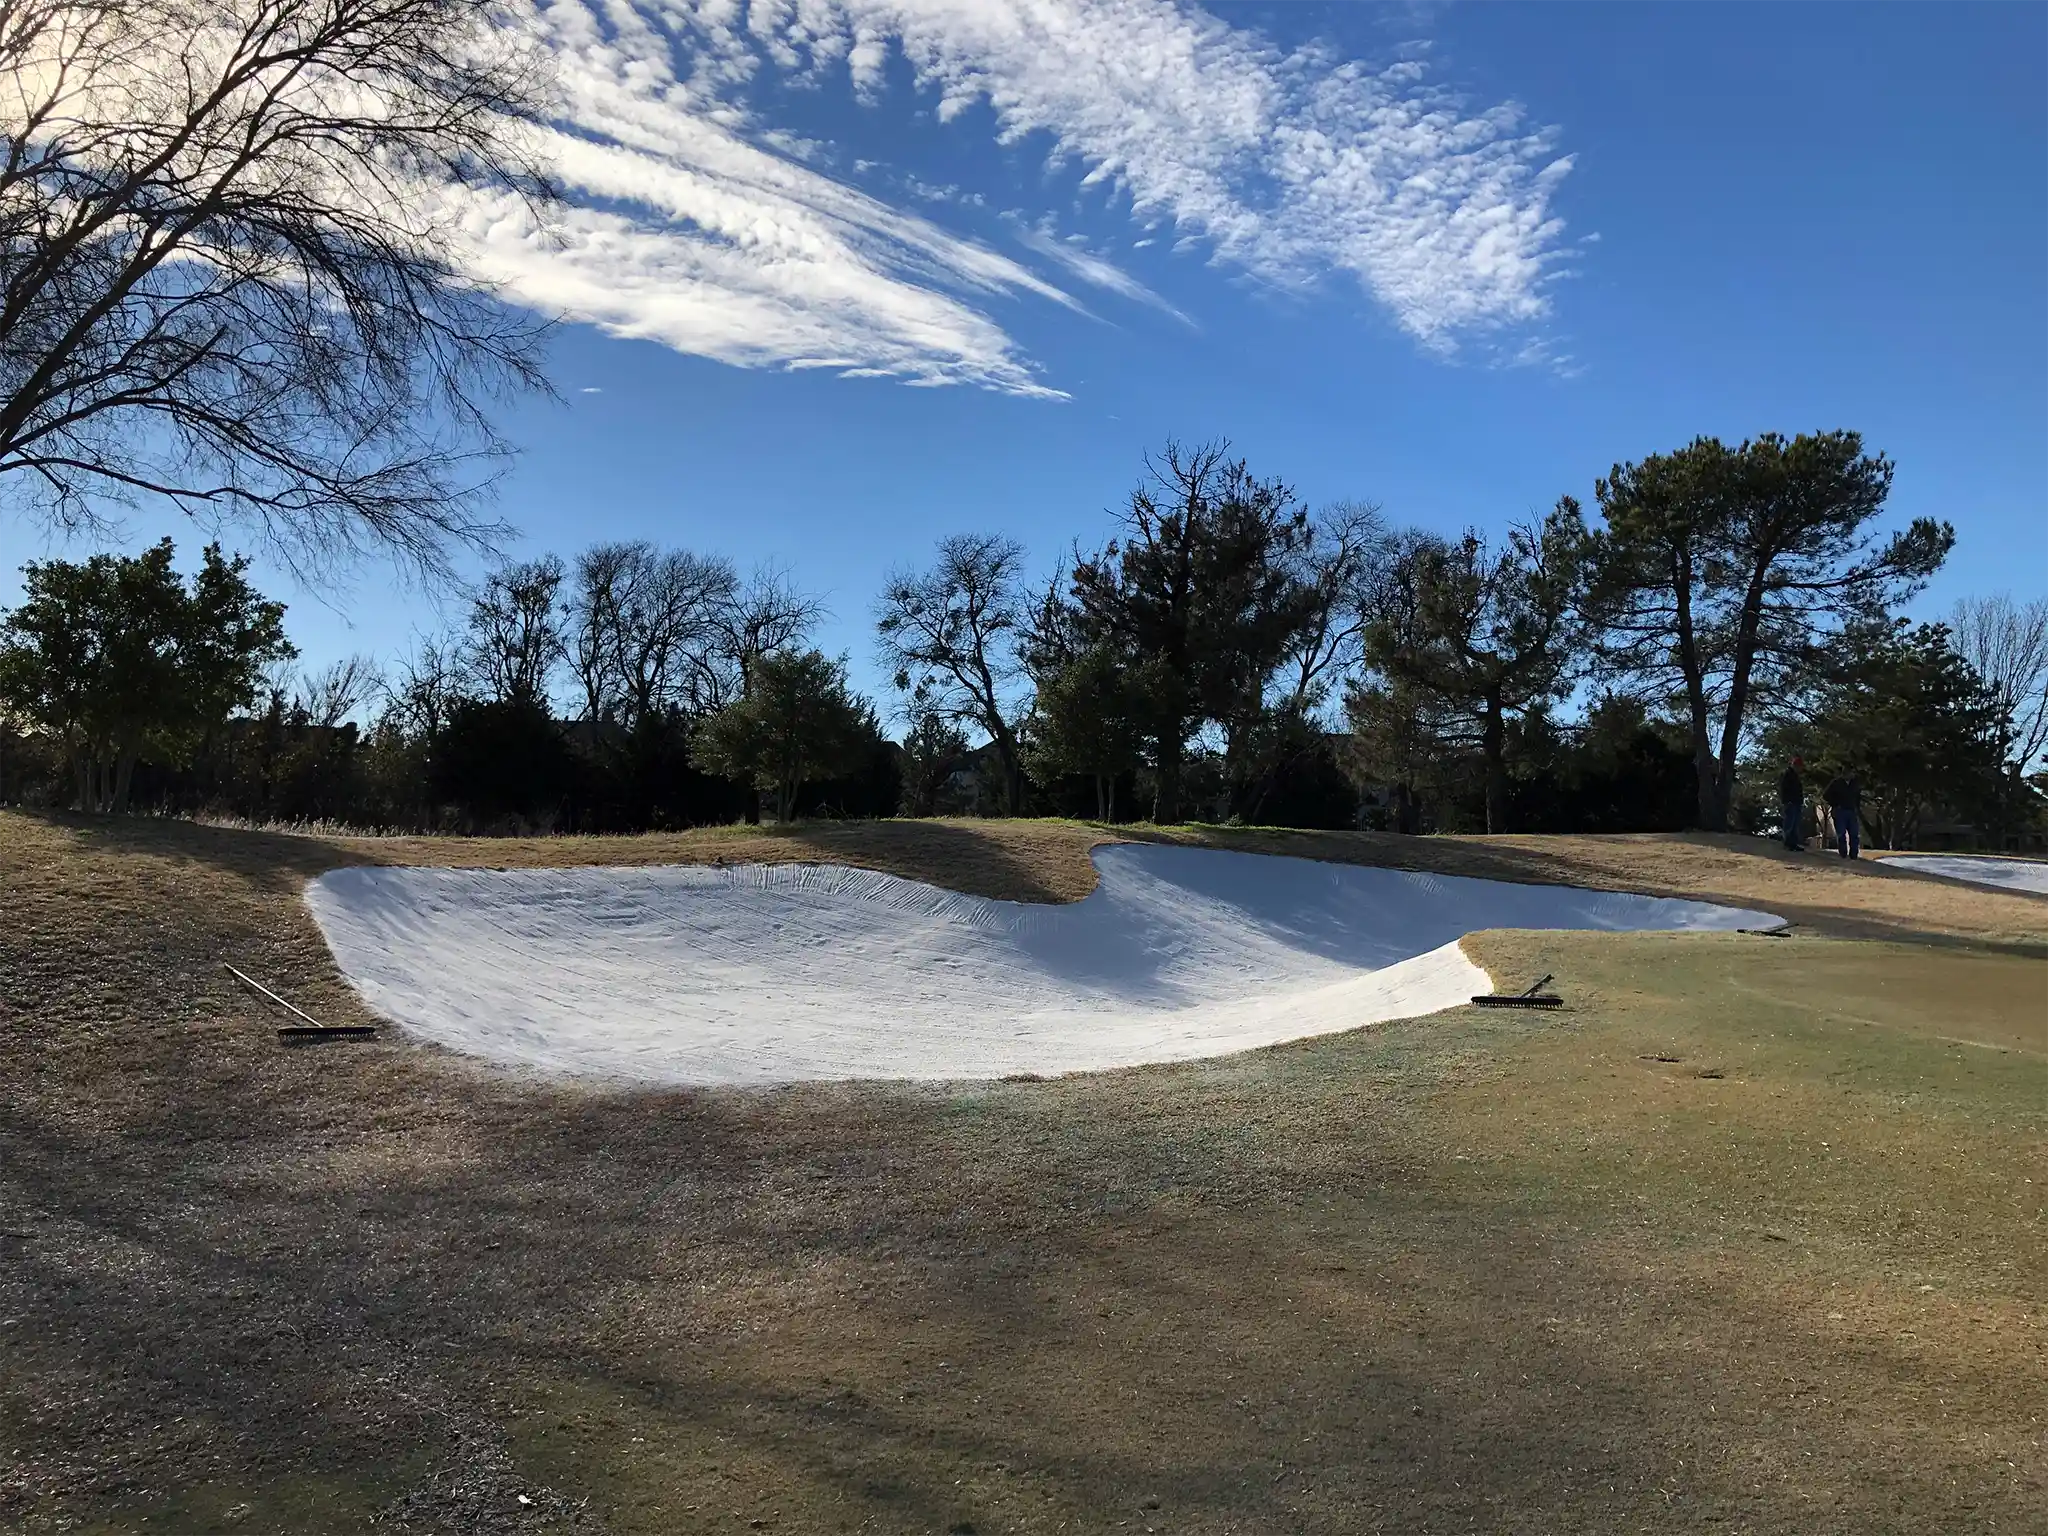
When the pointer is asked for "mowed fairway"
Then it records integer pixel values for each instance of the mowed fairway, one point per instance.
(1748, 1238)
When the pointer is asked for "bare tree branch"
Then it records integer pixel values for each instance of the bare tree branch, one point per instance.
(225, 265)
(339, 689)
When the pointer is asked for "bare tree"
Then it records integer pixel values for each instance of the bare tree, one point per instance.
(765, 614)
(339, 689)
(671, 632)
(515, 637)
(2007, 643)
(417, 702)
(647, 627)
(225, 263)
(949, 638)
(1349, 547)
(602, 575)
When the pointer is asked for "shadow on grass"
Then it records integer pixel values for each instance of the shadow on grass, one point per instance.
(267, 860)
(1240, 1287)
(928, 1309)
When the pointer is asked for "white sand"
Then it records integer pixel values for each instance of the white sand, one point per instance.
(768, 974)
(2006, 874)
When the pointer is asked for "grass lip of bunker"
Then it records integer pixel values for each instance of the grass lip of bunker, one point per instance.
(764, 974)
(2027, 876)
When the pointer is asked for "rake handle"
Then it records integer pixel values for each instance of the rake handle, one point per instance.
(251, 982)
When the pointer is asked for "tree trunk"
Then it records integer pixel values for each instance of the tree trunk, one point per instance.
(1166, 793)
(1693, 670)
(1748, 626)
(1712, 818)
(1101, 802)
(1012, 763)
(1493, 743)
(124, 775)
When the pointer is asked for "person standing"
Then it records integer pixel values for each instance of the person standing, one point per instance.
(1845, 801)
(1792, 806)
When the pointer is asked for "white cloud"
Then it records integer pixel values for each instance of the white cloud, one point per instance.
(1103, 273)
(698, 225)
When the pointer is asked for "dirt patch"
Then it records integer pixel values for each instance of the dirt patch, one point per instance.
(1478, 1271)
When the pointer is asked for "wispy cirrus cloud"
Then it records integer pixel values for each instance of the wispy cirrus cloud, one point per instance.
(1073, 255)
(696, 222)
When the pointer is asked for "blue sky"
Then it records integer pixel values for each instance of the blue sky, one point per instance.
(855, 274)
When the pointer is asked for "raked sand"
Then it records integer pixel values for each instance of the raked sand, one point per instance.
(2005, 874)
(761, 974)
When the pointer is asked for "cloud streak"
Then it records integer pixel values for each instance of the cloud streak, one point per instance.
(1093, 269)
(695, 223)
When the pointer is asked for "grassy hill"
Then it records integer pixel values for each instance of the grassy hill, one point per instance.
(1750, 1238)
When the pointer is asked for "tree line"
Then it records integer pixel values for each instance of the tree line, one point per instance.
(1227, 654)
(229, 283)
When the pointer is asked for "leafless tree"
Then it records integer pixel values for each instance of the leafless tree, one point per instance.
(2007, 643)
(417, 701)
(338, 690)
(602, 575)
(1350, 547)
(767, 613)
(515, 634)
(226, 270)
(672, 630)
(646, 627)
(949, 639)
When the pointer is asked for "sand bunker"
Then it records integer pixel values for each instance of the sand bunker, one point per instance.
(781, 973)
(2006, 874)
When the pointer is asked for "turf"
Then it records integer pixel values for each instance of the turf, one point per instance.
(1748, 1238)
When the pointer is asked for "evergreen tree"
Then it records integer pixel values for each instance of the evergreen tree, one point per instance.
(1088, 722)
(798, 724)
(1722, 573)
(1908, 716)
(1202, 596)
(933, 748)
(120, 661)
(1484, 634)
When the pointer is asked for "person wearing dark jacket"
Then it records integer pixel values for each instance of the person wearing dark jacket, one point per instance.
(1845, 798)
(1792, 806)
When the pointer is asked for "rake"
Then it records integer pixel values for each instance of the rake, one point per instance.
(1534, 997)
(312, 1029)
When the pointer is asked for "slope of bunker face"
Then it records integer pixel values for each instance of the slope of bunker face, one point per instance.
(2005, 874)
(760, 974)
